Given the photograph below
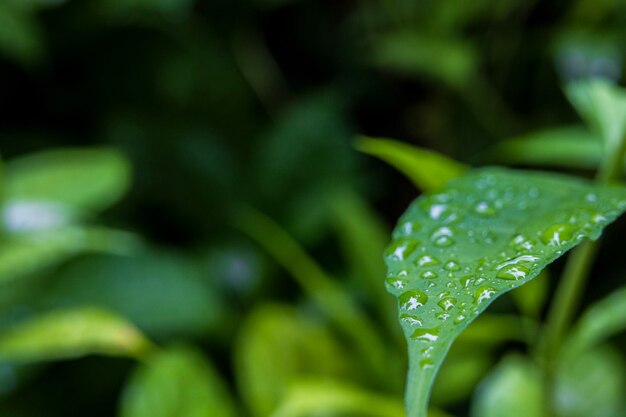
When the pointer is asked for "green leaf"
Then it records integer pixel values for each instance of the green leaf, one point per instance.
(25, 254)
(449, 60)
(591, 384)
(83, 179)
(277, 344)
(177, 383)
(603, 107)
(427, 169)
(165, 294)
(455, 251)
(73, 333)
(513, 389)
(566, 146)
(20, 34)
(325, 397)
(599, 322)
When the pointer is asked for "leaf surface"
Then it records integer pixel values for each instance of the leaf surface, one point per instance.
(492, 230)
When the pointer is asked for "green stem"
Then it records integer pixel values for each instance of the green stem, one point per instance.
(570, 288)
(330, 297)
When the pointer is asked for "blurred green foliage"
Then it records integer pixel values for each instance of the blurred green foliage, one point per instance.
(137, 134)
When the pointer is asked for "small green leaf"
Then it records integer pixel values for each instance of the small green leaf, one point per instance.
(566, 146)
(427, 169)
(177, 383)
(73, 333)
(591, 384)
(326, 397)
(83, 179)
(513, 389)
(277, 344)
(25, 254)
(603, 107)
(531, 298)
(455, 251)
(452, 61)
(599, 322)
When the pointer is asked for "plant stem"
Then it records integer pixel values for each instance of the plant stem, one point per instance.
(570, 288)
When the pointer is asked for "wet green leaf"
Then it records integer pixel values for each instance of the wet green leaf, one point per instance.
(602, 105)
(277, 344)
(599, 322)
(456, 250)
(513, 389)
(73, 333)
(591, 384)
(25, 254)
(327, 397)
(84, 179)
(177, 383)
(427, 169)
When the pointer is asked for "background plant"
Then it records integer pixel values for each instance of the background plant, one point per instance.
(151, 140)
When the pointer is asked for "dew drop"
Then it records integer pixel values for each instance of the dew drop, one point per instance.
(412, 299)
(425, 335)
(396, 283)
(401, 249)
(512, 272)
(443, 241)
(412, 320)
(447, 303)
(483, 208)
(557, 235)
(426, 363)
(466, 280)
(427, 260)
(484, 294)
(452, 266)
(429, 275)
(459, 319)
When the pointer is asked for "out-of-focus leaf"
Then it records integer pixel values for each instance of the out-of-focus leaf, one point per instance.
(25, 254)
(452, 60)
(591, 384)
(599, 322)
(177, 383)
(363, 237)
(165, 294)
(23, 216)
(277, 344)
(427, 169)
(603, 107)
(458, 377)
(72, 333)
(20, 35)
(85, 179)
(568, 147)
(490, 329)
(328, 294)
(482, 235)
(327, 397)
(513, 389)
(531, 298)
